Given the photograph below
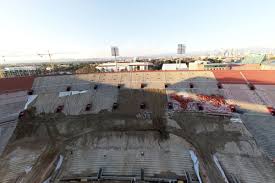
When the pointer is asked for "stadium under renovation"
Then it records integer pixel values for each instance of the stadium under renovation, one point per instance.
(169, 126)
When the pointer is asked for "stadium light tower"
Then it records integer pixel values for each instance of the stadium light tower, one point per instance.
(181, 51)
(115, 53)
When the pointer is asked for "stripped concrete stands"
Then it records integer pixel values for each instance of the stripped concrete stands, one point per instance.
(229, 77)
(266, 92)
(11, 104)
(137, 78)
(262, 127)
(52, 84)
(47, 101)
(154, 80)
(125, 79)
(266, 77)
(13, 97)
(112, 79)
(18, 163)
(173, 77)
(247, 169)
(117, 154)
(247, 100)
(244, 159)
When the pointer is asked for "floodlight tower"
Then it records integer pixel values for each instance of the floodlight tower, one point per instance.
(181, 51)
(115, 53)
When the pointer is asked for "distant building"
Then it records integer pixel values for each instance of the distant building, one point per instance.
(197, 65)
(251, 62)
(206, 65)
(179, 66)
(254, 59)
(19, 71)
(217, 66)
(268, 65)
(124, 66)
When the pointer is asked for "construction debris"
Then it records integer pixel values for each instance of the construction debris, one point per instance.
(201, 102)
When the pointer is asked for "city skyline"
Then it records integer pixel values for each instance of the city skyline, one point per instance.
(89, 28)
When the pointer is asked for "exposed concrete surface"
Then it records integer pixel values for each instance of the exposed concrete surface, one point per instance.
(217, 135)
(11, 104)
(15, 162)
(164, 136)
(247, 100)
(126, 153)
(100, 99)
(263, 130)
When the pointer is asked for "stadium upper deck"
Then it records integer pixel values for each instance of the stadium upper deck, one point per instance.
(262, 77)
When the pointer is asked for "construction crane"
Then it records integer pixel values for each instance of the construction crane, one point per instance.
(47, 54)
(50, 56)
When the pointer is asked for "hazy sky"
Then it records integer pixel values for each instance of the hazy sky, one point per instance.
(138, 27)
